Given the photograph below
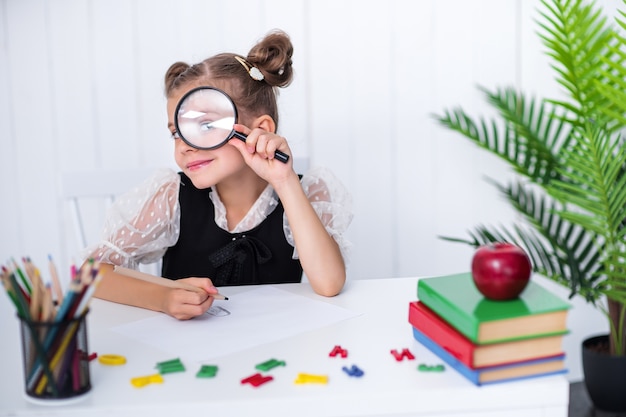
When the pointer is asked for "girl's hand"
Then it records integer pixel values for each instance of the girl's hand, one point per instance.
(258, 152)
(183, 305)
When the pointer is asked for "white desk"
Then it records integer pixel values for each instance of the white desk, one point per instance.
(388, 387)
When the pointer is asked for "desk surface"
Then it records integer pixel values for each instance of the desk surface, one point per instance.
(388, 387)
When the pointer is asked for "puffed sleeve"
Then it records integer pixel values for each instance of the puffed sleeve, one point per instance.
(141, 224)
(333, 204)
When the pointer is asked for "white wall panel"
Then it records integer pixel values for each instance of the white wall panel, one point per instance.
(414, 167)
(459, 66)
(367, 67)
(113, 65)
(71, 73)
(74, 113)
(11, 239)
(332, 96)
(32, 128)
(81, 86)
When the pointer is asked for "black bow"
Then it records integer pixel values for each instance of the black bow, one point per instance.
(229, 260)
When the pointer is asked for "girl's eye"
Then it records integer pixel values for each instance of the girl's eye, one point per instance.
(175, 135)
(205, 126)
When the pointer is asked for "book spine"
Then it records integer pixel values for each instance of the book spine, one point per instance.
(471, 375)
(463, 323)
(475, 376)
(441, 333)
(519, 378)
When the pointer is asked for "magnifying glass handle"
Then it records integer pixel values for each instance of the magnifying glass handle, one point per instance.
(281, 156)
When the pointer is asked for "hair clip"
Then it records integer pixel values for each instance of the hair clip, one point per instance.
(254, 72)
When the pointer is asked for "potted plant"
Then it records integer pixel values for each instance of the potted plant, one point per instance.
(570, 162)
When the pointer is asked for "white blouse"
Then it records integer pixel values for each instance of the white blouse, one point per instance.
(144, 222)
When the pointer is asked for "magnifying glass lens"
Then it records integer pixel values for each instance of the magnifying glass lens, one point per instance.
(205, 118)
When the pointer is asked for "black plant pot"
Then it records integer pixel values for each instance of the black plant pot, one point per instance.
(605, 375)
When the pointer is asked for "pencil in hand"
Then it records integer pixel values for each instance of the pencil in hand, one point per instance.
(165, 282)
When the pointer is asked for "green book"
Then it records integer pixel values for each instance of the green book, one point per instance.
(537, 312)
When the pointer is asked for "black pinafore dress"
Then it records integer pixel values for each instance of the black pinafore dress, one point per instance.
(259, 256)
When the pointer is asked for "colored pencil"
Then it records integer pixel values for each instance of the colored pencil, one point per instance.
(20, 297)
(20, 274)
(9, 289)
(84, 303)
(53, 347)
(47, 310)
(56, 284)
(36, 301)
(68, 336)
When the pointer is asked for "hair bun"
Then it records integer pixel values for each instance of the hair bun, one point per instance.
(172, 74)
(272, 56)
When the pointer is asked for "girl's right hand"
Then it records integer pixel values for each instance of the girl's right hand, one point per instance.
(258, 152)
(184, 305)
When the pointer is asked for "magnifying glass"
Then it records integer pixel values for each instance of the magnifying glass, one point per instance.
(205, 118)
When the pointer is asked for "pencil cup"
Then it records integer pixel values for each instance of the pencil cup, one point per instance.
(55, 355)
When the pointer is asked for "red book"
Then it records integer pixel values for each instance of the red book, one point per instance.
(481, 355)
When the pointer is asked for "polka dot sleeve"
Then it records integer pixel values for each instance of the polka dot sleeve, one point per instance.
(333, 204)
(141, 224)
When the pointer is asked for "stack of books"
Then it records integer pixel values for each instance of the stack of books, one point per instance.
(490, 341)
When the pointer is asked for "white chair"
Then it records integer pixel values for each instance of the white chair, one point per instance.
(90, 193)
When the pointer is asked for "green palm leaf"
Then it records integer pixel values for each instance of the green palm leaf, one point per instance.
(594, 181)
(580, 41)
(530, 138)
(569, 157)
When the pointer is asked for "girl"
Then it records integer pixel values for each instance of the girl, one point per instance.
(234, 215)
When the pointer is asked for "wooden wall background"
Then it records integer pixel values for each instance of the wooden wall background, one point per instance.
(81, 89)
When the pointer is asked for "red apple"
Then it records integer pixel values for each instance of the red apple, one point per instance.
(500, 271)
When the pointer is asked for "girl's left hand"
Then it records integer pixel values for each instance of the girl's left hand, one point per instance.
(258, 152)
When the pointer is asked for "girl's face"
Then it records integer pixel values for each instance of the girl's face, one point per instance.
(205, 168)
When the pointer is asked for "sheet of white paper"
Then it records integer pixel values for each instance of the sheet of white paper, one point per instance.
(260, 315)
